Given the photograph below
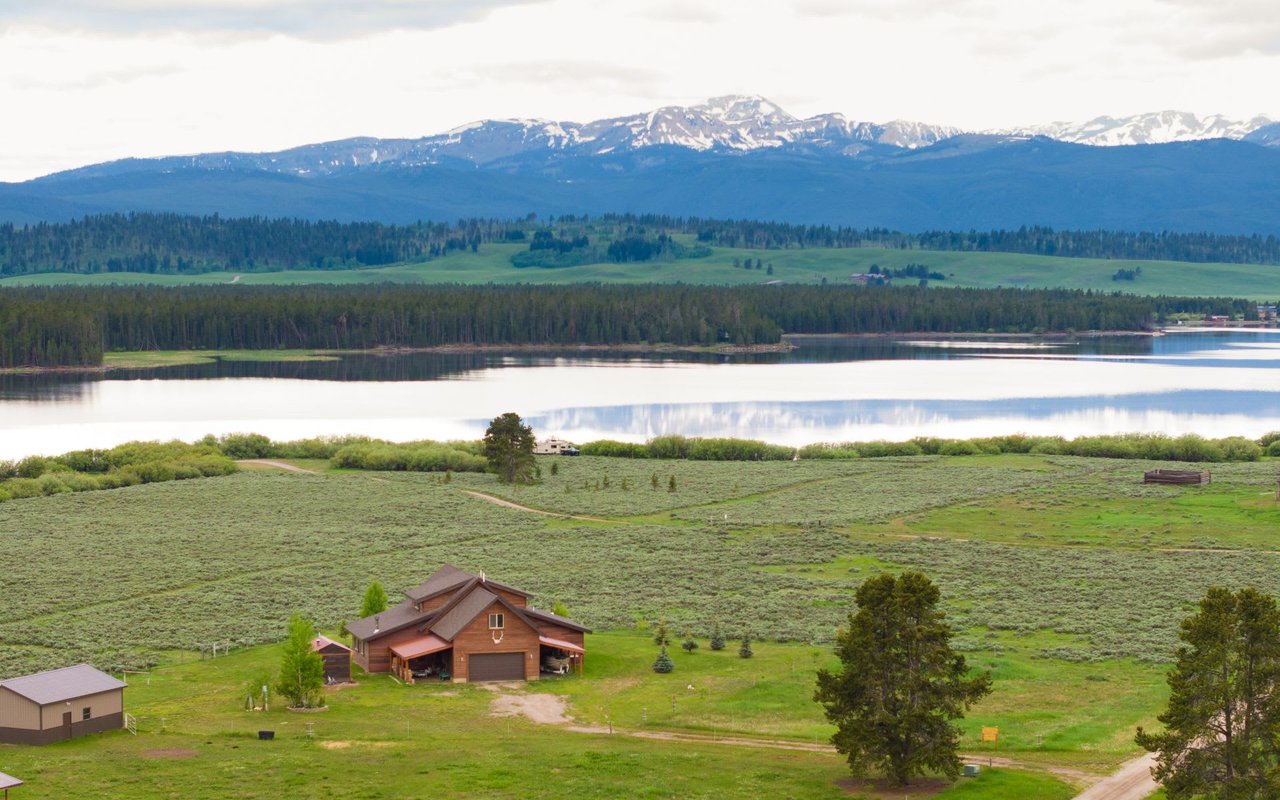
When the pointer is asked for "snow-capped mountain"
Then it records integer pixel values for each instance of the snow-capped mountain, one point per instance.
(1159, 127)
(730, 125)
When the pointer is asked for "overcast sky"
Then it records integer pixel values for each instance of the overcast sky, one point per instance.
(84, 81)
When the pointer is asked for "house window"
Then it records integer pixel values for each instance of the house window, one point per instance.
(85, 714)
(495, 621)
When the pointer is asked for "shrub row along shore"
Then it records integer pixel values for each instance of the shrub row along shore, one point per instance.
(152, 462)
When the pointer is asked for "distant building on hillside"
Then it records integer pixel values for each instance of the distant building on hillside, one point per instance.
(1266, 313)
(869, 279)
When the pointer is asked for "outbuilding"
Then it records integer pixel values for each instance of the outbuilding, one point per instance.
(60, 704)
(337, 659)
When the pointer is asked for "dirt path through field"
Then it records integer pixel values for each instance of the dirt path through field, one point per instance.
(266, 462)
(1132, 781)
(498, 501)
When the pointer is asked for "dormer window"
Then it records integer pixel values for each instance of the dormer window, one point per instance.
(496, 622)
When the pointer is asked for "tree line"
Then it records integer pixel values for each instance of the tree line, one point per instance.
(161, 243)
(71, 326)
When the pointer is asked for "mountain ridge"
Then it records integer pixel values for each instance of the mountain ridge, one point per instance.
(728, 124)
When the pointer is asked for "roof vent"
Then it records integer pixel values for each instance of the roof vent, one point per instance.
(376, 626)
(482, 578)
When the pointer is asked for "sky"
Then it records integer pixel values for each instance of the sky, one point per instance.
(84, 81)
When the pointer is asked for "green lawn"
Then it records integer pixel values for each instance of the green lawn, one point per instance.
(381, 739)
(491, 264)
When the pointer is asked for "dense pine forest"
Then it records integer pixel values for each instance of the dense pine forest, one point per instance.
(176, 244)
(73, 327)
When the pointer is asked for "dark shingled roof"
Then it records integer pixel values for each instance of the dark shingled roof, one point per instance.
(448, 578)
(394, 618)
(445, 578)
(457, 618)
(58, 685)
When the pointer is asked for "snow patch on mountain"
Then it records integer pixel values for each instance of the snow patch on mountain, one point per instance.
(1160, 127)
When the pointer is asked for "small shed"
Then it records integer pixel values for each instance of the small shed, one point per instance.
(7, 782)
(60, 704)
(1176, 476)
(337, 659)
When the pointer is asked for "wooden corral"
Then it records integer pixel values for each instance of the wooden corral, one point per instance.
(1177, 476)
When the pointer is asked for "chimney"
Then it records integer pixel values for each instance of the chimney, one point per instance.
(376, 626)
(482, 577)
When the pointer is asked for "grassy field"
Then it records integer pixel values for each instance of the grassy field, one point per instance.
(381, 739)
(492, 265)
(1066, 577)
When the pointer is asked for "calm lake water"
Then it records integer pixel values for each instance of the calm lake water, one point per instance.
(1215, 383)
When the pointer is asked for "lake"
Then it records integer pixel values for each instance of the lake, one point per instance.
(1214, 383)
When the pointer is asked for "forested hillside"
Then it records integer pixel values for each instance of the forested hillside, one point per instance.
(67, 326)
(176, 244)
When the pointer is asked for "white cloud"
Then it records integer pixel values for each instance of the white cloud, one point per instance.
(303, 18)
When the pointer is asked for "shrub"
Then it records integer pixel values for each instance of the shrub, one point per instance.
(32, 467)
(744, 650)
(669, 447)
(1273, 449)
(615, 449)
(689, 645)
(959, 447)
(245, 445)
(49, 484)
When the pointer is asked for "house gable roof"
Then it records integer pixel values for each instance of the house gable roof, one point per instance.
(448, 578)
(470, 595)
(58, 685)
(393, 619)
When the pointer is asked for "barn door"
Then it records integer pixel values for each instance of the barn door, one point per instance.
(66, 724)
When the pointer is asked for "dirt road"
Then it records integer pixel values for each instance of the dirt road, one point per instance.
(266, 462)
(498, 501)
(1132, 781)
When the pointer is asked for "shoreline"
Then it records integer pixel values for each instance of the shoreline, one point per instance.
(157, 359)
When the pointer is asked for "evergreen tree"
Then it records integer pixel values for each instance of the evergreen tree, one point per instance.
(900, 684)
(375, 600)
(1222, 725)
(560, 609)
(744, 649)
(660, 634)
(717, 638)
(663, 664)
(689, 645)
(301, 667)
(671, 483)
(508, 446)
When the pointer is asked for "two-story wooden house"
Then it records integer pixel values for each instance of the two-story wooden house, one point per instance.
(464, 627)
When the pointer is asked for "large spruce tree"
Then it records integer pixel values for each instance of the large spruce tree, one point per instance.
(508, 445)
(900, 685)
(1222, 725)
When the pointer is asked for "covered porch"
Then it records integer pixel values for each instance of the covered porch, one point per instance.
(425, 658)
(558, 657)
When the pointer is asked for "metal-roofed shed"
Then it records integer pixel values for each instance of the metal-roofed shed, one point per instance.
(60, 704)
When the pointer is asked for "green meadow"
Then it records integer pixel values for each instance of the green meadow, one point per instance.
(492, 264)
(1065, 577)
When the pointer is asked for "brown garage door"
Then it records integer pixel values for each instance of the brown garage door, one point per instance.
(497, 667)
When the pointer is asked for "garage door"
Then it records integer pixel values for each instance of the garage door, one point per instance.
(497, 667)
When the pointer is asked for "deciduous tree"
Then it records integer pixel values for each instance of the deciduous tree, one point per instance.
(301, 667)
(900, 685)
(375, 600)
